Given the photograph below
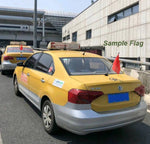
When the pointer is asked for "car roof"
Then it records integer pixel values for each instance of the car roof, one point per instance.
(66, 53)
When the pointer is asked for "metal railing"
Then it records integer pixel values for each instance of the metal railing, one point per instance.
(131, 63)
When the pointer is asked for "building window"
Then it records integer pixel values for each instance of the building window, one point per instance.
(88, 34)
(127, 12)
(124, 13)
(66, 38)
(135, 9)
(74, 36)
(119, 15)
(111, 18)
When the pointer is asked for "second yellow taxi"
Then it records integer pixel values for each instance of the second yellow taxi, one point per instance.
(14, 53)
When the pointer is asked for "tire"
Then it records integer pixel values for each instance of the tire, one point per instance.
(48, 118)
(3, 72)
(16, 89)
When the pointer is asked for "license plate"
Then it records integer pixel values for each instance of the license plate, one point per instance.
(21, 58)
(113, 98)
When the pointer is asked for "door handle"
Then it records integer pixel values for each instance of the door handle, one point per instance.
(42, 80)
(28, 74)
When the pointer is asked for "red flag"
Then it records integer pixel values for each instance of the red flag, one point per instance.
(21, 47)
(116, 65)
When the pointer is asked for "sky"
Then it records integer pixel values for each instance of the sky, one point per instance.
(71, 6)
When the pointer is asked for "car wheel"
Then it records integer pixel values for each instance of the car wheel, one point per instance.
(3, 72)
(16, 89)
(48, 118)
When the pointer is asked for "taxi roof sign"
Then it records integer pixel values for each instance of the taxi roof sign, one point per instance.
(73, 46)
(63, 46)
(56, 45)
(18, 43)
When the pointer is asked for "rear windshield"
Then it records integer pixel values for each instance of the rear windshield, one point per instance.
(87, 66)
(17, 49)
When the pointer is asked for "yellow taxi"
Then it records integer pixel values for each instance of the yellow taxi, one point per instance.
(13, 54)
(78, 91)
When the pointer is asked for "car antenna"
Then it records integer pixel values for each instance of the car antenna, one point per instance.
(84, 52)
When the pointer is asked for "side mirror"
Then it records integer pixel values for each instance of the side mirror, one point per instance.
(20, 64)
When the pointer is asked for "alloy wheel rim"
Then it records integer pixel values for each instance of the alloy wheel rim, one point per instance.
(16, 85)
(47, 116)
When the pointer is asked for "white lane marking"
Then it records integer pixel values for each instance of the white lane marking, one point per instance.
(1, 142)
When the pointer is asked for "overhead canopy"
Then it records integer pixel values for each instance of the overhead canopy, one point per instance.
(19, 12)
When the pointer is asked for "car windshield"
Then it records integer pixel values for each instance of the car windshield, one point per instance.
(17, 49)
(87, 66)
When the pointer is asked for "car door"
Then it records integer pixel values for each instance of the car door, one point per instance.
(25, 74)
(40, 75)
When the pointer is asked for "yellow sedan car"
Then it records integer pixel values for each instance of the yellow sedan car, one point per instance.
(79, 92)
(14, 54)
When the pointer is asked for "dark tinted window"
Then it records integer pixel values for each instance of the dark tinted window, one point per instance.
(74, 36)
(111, 18)
(68, 37)
(45, 64)
(64, 38)
(30, 63)
(88, 34)
(120, 15)
(124, 13)
(127, 12)
(135, 9)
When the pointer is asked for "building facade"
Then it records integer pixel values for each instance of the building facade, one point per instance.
(113, 26)
(17, 25)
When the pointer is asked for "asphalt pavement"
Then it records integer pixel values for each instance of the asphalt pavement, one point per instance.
(20, 123)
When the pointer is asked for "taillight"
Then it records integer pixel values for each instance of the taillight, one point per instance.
(140, 90)
(83, 96)
(8, 58)
(53, 44)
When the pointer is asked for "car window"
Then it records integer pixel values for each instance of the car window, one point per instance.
(1, 52)
(45, 64)
(17, 49)
(30, 63)
(87, 66)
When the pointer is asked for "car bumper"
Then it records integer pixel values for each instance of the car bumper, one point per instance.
(87, 121)
(7, 65)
